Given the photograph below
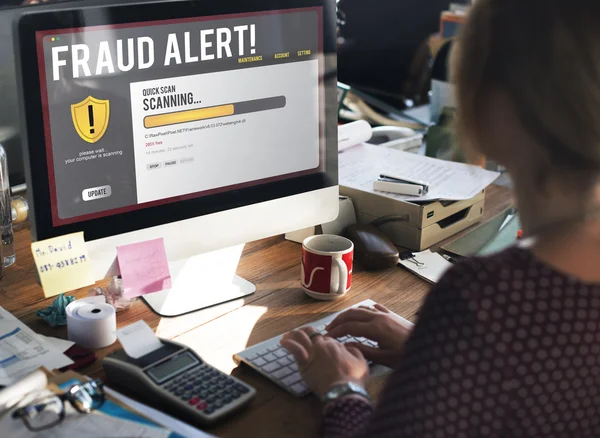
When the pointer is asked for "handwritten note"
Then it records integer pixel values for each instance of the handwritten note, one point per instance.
(63, 263)
(144, 267)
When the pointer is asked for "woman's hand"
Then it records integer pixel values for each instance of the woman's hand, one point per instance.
(323, 361)
(377, 324)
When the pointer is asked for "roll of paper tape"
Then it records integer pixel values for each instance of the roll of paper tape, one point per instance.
(91, 322)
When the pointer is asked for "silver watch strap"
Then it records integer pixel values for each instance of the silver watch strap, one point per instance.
(349, 388)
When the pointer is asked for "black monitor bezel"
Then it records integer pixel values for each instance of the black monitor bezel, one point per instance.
(32, 122)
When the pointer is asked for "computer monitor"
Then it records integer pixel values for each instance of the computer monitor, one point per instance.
(209, 124)
(10, 137)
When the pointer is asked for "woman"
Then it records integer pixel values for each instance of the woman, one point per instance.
(507, 345)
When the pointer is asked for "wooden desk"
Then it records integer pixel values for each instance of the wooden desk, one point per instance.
(278, 305)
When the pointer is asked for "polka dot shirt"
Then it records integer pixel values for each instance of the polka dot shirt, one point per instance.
(504, 346)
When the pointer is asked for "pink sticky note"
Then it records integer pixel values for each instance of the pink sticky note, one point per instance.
(144, 267)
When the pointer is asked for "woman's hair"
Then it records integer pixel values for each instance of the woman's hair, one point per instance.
(544, 56)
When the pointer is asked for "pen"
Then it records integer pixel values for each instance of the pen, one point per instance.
(450, 259)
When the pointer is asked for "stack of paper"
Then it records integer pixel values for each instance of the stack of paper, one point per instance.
(23, 351)
(360, 165)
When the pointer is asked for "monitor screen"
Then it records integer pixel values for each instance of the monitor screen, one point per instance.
(144, 114)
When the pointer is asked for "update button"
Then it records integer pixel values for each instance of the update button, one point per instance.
(96, 193)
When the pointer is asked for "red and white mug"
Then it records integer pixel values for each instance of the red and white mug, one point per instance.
(326, 271)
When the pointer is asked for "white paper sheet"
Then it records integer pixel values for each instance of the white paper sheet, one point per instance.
(428, 265)
(138, 339)
(23, 351)
(361, 165)
(60, 344)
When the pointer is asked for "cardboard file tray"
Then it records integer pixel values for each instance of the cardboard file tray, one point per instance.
(424, 225)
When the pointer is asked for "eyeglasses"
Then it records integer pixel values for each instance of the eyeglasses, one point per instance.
(47, 412)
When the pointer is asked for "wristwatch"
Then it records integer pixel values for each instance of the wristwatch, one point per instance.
(337, 391)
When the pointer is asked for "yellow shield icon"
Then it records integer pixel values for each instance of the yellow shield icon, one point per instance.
(90, 118)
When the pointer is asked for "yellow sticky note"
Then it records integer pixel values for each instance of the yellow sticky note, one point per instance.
(63, 263)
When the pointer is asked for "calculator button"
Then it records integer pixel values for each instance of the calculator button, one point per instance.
(281, 353)
(194, 400)
(252, 356)
(241, 388)
(273, 347)
(218, 404)
(263, 352)
(178, 392)
(294, 366)
(202, 406)
(270, 367)
(186, 395)
(209, 410)
(270, 357)
(189, 387)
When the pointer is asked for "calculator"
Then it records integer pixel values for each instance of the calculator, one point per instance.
(176, 380)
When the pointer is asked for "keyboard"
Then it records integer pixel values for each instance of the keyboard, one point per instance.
(273, 361)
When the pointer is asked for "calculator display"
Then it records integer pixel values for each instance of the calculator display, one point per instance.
(173, 366)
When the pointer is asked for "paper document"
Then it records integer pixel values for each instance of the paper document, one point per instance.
(61, 345)
(23, 351)
(430, 266)
(63, 263)
(361, 165)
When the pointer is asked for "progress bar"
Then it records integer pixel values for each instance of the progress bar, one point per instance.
(213, 112)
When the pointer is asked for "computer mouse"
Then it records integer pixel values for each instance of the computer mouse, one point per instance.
(373, 250)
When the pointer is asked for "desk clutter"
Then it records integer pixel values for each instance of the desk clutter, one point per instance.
(446, 197)
(172, 377)
(69, 405)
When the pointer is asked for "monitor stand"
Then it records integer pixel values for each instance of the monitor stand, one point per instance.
(201, 281)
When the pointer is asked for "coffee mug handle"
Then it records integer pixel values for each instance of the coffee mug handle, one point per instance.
(343, 276)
